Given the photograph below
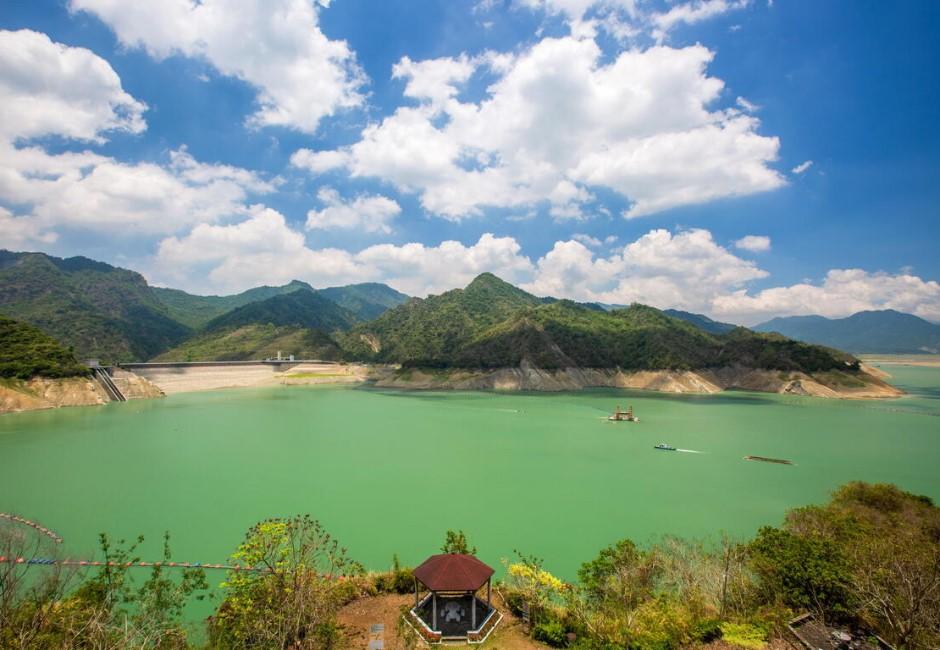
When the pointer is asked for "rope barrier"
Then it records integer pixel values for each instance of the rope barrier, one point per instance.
(32, 524)
(131, 565)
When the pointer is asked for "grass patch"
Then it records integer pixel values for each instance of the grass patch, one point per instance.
(744, 635)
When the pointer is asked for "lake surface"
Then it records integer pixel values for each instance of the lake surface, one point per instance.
(389, 472)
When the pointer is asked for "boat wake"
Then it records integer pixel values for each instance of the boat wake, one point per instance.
(691, 451)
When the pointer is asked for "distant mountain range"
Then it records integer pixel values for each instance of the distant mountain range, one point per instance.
(107, 312)
(887, 331)
(103, 311)
(491, 324)
(701, 321)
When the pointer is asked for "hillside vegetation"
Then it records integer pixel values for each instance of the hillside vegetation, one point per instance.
(25, 352)
(493, 324)
(97, 309)
(865, 562)
(195, 311)
(366, 301)
(298, 323)
(253, 342)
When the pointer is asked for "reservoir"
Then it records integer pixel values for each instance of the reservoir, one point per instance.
(388, 472)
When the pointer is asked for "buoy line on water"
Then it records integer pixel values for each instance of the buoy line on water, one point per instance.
(32, 524)
(89, 563)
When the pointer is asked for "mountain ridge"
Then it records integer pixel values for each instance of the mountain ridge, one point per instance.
(873, 331)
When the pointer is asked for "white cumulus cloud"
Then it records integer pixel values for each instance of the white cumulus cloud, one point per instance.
(557, 121)
(276, 46)
(686, 269)
(88, 191)
(47, 88)
(264, 249)
(370, 213)
(841, 293)
(753, 243)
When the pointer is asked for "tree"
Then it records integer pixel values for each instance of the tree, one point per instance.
(51, 606)
(803, 572)
(292, 598)
(456, 542)
(619, 573)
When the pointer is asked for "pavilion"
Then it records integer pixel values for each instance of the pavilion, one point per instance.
(451, 610)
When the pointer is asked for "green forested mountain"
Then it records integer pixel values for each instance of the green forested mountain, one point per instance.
(99, 310)
(701, 321)
(493, 324)
(195, 311)
(432, 331)
(25, 351)
(253, 342)
(366, 301)
(298, 323)
(887, 332)
(303, 308)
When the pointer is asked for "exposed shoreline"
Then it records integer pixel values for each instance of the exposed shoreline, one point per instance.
(145, 383)
(865, 385)
(41, 393)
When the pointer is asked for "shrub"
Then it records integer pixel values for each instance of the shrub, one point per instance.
(745, 635)
(551, 632)
(706, 631)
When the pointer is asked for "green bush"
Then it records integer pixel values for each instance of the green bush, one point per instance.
(707, 631)
(551, 632)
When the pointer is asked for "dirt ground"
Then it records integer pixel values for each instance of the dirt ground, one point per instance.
(358, 616)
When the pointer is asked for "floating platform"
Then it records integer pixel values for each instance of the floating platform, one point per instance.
(764, 459)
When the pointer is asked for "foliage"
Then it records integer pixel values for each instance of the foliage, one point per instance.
(707, 631)
(366, 301)
(260, 341)
(195, 311)
(531, 587)
(26, 352)
(456, 542)
(617, 573)
(891, 542)
(302, 308)
(99, 310)
(57, 607)
(292, 601)
(492, 324)
(803, 572)
(551, 632)
(400, 580)
(744, 634)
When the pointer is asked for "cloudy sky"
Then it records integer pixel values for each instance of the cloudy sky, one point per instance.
(744, 159)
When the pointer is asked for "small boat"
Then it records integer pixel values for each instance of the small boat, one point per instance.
(664, 447)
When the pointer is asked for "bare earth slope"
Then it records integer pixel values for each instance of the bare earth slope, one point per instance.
(527, 377)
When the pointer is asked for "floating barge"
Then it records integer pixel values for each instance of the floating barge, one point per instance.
(764, 459)
(623, 416)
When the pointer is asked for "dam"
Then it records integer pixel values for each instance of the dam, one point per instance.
(187, 376)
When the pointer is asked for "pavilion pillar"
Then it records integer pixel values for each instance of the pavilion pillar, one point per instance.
(434, 610)
(473, 610)
(416, 593)
(488, 582)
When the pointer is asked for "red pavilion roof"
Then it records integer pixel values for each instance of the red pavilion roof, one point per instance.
(453, 572)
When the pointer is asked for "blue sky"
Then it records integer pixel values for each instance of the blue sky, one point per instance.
(742, 159)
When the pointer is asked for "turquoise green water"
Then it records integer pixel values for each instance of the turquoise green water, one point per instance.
(389, 472)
